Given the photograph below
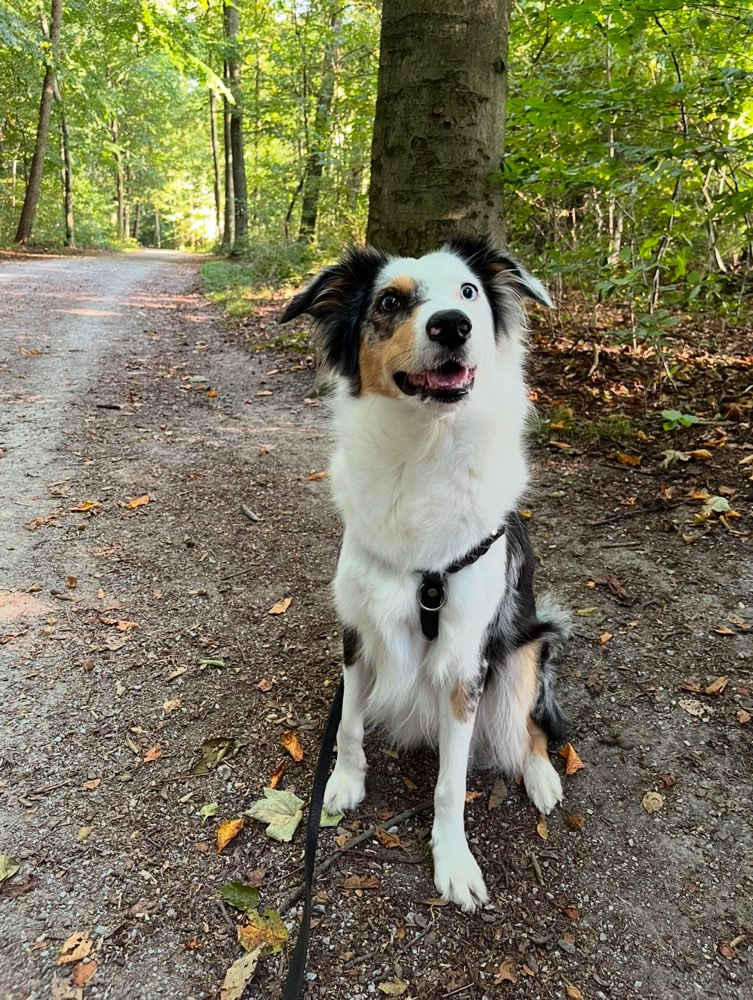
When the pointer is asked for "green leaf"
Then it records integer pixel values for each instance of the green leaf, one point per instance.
(717, 505)
(243, 897)
(282, 811)
(8, 867)
(330, 819)
(208, 810)
(213, 752)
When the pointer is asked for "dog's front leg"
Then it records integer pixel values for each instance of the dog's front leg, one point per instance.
(347, 784)
(457, 876)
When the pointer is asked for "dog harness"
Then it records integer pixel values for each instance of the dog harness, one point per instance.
(432, 593)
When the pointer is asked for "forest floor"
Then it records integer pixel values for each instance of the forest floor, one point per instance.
(135, 625)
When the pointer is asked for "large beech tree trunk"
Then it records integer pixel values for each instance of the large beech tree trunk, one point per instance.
(34, 184)
(439, 129)
(66, 171)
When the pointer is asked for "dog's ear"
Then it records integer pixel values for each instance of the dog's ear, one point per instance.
(497, 270)
(337, 300)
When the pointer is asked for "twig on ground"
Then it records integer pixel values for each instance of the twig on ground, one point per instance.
(295, 894)
(226, 915)
(250, 514)
(536, 868)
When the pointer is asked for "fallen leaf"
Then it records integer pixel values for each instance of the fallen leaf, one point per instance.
(213, 752)
(239, 975)
(470, 796)
(605, 637)
(573, 763)
(194, 944)
(671, 456)
(575, 821)
(652, 802)
(411, 785)
(694, 707)
(387, 839)
(726, 952)
(717, 686)
(435, 901)
(85, 505)
(293, 745)
(393, 987)
(724, 630)
(91, 785)
(506, 973)
(743, 718)
(542, 829)
(573, 993)
(138, 502)
(228, 831)
(265, 930)
(701, 454)
(241, 896)
(8, 867)
(282, 811)
(625, 459)
(498, 794)
(209, 810)
(317, 475)
(330, 819)
(571, 912)
(281, 607)
(71, 582)
(213, 394)
(585, 612)
(264, 685)
(154, 754)
(171, 705)
(83, 973)
(274, 778)
(76, 947)
(84, 832)
(361, 882)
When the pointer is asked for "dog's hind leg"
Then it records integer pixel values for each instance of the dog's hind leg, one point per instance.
(542, 783)
(457, 875)
(347, 784)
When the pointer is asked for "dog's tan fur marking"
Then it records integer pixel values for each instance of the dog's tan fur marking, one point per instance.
(524, 663)
(539, 740)
(380, 359)
(462, 701)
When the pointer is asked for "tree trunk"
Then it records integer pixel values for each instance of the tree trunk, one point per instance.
(439, 129)
(66, 172)
(228, 230)
(157, 228)
(319, 139)
(137, 221)
(215, 161)
(33, 187)
(231, 23)
(119, 181)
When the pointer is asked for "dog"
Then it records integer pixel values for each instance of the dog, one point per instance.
(443, 642)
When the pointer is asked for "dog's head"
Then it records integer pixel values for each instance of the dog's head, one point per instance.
(417, 328)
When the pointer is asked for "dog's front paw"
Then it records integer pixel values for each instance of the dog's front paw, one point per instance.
(457, 875)
(542, 783)
(345, 789)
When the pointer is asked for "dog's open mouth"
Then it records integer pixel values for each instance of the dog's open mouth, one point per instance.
(448, 383)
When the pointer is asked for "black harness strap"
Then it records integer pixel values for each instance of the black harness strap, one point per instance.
(432, 593)
(296, 970)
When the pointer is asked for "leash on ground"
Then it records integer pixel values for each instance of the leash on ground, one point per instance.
(293, 989)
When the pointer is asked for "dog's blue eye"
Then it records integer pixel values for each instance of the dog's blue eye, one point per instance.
(389, 303)
(469, 292)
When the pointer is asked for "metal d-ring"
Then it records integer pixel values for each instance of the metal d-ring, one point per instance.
(430, 591)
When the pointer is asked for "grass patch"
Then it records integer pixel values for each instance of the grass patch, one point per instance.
(561, 423)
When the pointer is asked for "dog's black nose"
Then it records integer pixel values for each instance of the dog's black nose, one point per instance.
(451, 328)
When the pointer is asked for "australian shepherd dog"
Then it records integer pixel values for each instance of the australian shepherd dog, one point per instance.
(444, 642)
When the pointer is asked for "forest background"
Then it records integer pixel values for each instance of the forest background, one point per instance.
(627, 168)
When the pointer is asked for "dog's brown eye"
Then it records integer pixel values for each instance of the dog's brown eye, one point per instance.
(469, 292)
(389, 303)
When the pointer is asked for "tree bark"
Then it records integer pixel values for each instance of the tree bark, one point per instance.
(66, 171)
(157, 228)
(215, 161)
(33, 187)
(319, 139)
(228, 230)
(240, 197)
(439, 128)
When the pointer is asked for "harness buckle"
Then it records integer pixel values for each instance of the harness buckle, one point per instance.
(431, 595)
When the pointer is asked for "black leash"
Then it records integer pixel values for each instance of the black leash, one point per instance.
(432, 592)
(296, 970)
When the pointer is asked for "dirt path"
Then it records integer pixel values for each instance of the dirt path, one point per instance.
(118, 382)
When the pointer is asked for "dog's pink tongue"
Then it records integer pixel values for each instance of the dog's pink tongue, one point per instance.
(447, 380)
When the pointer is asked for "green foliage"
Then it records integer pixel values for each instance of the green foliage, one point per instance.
(236, 283)
(672, 420)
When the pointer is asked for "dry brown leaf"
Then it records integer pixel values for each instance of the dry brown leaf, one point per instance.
(281, 607)
(435, 901)
(274, 778)
(171, 705)
(71, 582)
(74, 948)
(239, 975)
(744, 717)
(317, 475)
(726, 952)
(542, 828)
(213, 394)
(694, 707)
(138, 501)
(387, 839)
(717, 686)
(701, 454)
(194, 944)
(498, 794)
(361, 882)
(393, 987)
(573, 993)
(724, 630)
(228, 831)
(652, 802)
(471, 796)
(85, 505)
(605, 637)
(625, 459)
(293, 745)
(571, 912)
(506, 973)
(409, 784)
(573, 763)
(91, 785)
(154, 754)
(83, 973)
(264, 685)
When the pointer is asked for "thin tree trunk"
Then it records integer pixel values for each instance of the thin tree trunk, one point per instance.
(215, 161)
(66, 172)
(137, 221)
(240, 198)
(228, 230)
(319, 139)
(34, 185)
(119, 180)
(157, 228)
(439, 129)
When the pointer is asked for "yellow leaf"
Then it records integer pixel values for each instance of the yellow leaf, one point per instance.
(652, 802)
(293, 745)
(239, 975)
(213, 394)
(393, 987)
(228, 831)
(86, 505)
(470, 796)
(171, 705)
(573, 763)
(76, 947)
(263, 930)
(139, 501)
(281, 607)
